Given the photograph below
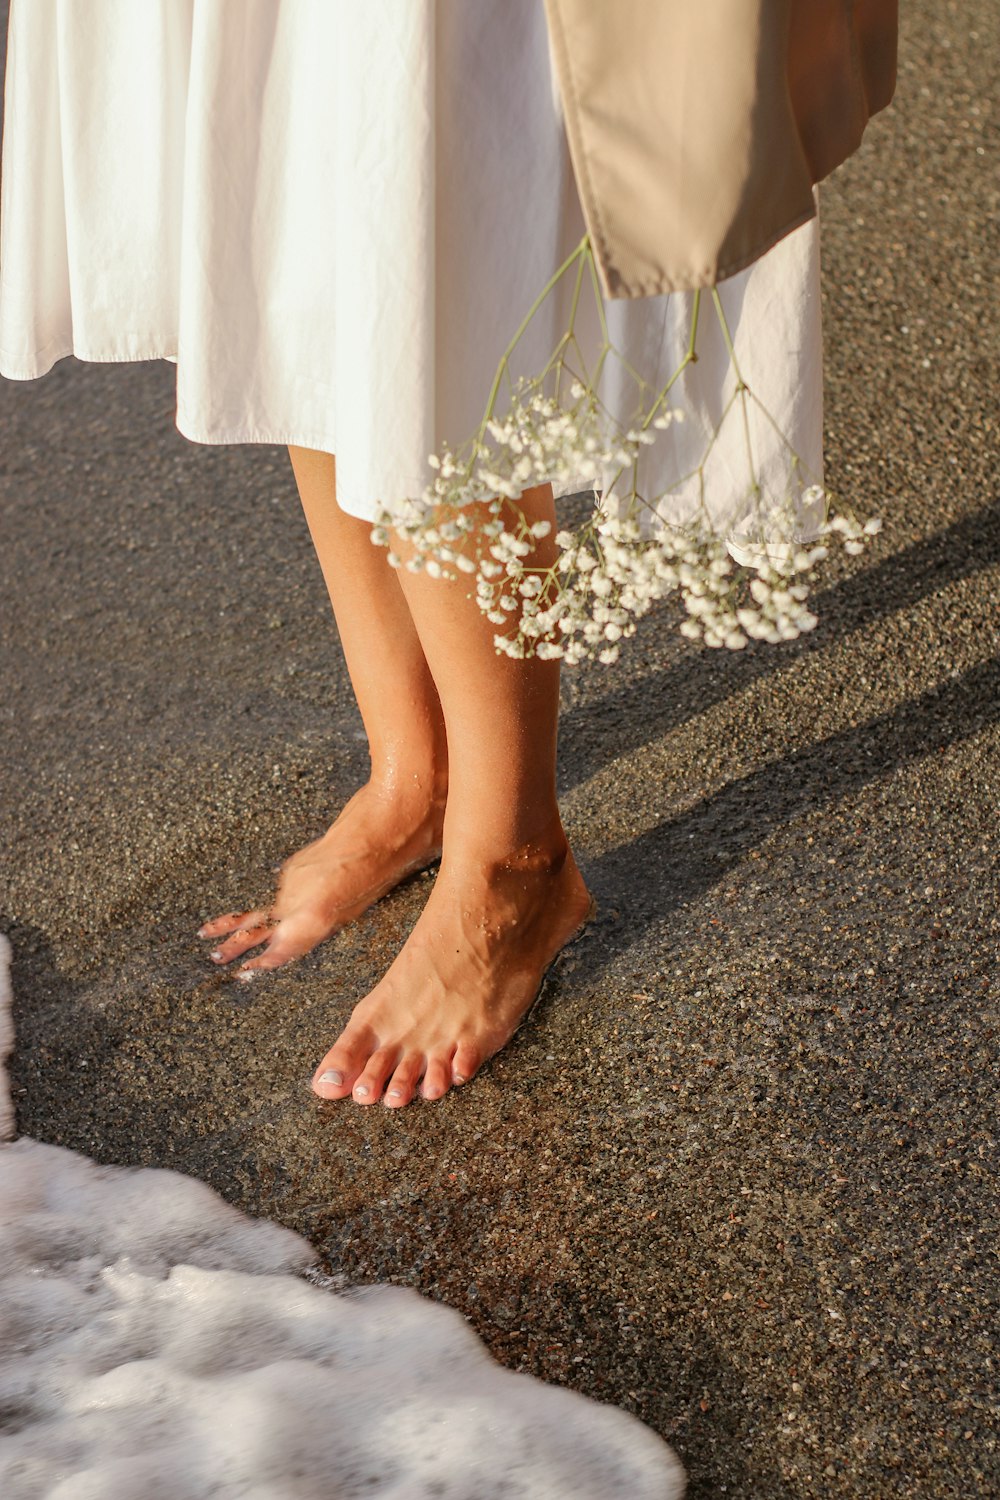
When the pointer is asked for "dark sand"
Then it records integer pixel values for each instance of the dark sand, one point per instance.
(739, 1174)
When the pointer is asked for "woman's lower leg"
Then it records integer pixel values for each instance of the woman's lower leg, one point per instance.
(508, 895)
(395, 822)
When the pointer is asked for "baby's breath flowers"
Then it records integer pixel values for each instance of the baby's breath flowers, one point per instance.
(610, 570)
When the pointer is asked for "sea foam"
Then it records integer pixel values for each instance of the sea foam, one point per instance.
(156, 1344)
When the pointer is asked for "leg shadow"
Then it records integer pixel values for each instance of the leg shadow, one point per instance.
(644, 711)
(678, 860)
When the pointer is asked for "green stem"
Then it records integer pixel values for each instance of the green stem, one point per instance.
(742, 388)
(599, 300)
(720, 314)
(568, 335)
(695, 309)
(576, 296)
(690, 358)
(582, 249)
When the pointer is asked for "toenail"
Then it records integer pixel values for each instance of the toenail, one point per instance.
(203, 932)
(395, 1093)
(331, 1076)
(216, 955)
(245, 975)
(362, 1088)
(458, 1078)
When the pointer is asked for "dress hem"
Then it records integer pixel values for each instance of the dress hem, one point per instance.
(44, 363)
(747, 555)
(142, 354)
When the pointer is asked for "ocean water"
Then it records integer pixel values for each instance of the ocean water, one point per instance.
(156, 1344)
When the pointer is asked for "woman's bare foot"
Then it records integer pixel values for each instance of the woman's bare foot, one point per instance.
(462, 982)
(380, 837)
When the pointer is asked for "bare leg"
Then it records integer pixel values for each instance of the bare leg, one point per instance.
(394, 824)
(508, 895)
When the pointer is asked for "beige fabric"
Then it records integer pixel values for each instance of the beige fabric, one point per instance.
(698, 127)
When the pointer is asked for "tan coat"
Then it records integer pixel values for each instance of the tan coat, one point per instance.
(698, 127)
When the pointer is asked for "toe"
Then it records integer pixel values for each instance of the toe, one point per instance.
(437, 1078)
(220, 926)
(284, 944)
(464, 1063)
(336, 1074)
(241, 940)
(403, 1083)
(297, 935)
(368, 1089)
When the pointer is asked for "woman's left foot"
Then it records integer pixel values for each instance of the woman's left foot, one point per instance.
(463, 981)
(381, 837)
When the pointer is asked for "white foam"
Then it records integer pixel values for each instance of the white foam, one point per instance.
(155, 1344)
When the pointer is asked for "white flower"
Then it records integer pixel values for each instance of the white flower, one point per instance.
(698, 604)
(624, 556)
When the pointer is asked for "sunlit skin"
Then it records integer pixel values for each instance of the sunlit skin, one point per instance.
(463, 751)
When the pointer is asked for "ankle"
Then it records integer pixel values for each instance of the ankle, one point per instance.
(475, 854)
(419, 792)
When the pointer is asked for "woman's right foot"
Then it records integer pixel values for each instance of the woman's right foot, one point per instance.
(379, 839)
(464, 979)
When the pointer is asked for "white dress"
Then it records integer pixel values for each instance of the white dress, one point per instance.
(333, 214)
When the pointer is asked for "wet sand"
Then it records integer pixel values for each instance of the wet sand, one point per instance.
(739, 1175)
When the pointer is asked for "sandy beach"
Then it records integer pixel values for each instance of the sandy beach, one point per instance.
(739, 1174)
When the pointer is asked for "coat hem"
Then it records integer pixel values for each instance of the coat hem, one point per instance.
(622, 286)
